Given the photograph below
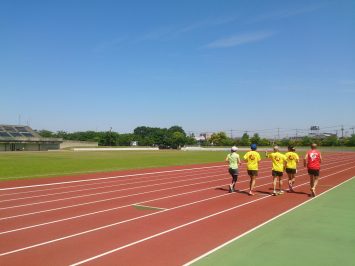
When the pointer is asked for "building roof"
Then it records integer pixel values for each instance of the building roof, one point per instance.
(22, 133)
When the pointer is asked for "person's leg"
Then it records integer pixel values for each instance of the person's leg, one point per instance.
(315, 183)
(274, 181)
(280, 184)
(252, 184)
(232, 175)
(234, 181)
(311, 183)
(293, 180)
(289, 181)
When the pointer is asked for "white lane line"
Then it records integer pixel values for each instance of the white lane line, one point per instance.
(95, 194)
(153, 236)
(112, 177)
(128, 205)
(116, 181)
(83, 185)
(260, 225)
(185, 225)
(111, 209)
(101, 193)
(125, 196)
(130, 195)
(107, 186)
(114, 198)
(92, 184)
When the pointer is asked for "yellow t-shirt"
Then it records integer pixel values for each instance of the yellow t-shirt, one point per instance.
(252, 158)
(291, 159)
(233, 159)
(277, 161)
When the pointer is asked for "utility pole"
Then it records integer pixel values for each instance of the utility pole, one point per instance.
(110, 136)
(342, 131)
(352, 129)
(278, 133)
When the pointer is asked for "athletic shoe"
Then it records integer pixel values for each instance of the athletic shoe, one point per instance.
(230, 189)
(251, 193)
(313, 193)
(274, 193)
(290, 190)
(281, 192)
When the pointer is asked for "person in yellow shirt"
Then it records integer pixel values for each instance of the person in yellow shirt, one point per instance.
(292, 160)
(252, 158)
(234, 162)
(278, 161)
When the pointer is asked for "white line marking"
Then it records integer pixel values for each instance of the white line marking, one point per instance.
(183, 225)
(114, 198)
(111, 177)
(119, 181)
(153, 236)
(260, 225)
(105, 192)
(119, 207)
(101, 187)
(130, 195)
(100, 193)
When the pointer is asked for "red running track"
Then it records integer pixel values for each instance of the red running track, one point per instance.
(101, 219)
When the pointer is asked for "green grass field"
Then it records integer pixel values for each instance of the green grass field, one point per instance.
(16, 165)
(43, 164)
(321, 232)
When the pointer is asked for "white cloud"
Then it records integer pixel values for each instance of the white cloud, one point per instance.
(240, 39)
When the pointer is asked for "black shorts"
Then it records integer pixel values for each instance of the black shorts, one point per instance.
(314, 172)
(253, 172)
(234, 174)
(276, 173)
(291, 171)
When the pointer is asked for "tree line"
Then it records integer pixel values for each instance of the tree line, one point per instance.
(175, 137)
(221, 139)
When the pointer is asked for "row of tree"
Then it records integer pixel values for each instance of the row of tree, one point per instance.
(221, 139)
(175, 137)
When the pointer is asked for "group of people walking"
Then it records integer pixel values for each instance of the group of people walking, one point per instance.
(280, 162)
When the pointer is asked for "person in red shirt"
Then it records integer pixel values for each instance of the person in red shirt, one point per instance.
(312, 161)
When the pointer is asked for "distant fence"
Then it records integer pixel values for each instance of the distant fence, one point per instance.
(76, 143)
(116, 149)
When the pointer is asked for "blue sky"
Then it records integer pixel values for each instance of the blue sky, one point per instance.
(205, 65)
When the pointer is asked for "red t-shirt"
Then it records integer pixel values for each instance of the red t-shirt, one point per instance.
(313, 159)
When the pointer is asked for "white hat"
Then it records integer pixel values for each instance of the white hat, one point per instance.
(234, 148)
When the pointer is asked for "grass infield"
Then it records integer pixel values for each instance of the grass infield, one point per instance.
(321, 232)
(19, 165)
(15, 165)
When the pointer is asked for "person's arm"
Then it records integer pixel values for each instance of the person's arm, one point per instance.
(305, 160)
(239, 161)
(285, 161)
(320, 158)
(245, 157)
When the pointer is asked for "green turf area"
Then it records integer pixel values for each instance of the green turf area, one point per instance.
(321, 232)
(40, 164)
